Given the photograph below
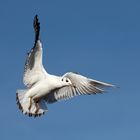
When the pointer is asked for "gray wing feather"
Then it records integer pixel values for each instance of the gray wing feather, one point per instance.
(80, 86)
(33, 69)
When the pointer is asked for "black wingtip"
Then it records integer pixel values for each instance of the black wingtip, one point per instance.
(36, 16)
(36, 25)
(36, 19)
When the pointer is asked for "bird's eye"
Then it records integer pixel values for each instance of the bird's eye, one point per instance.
(67, 80)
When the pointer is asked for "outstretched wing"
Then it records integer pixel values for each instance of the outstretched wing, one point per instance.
(80, 85)
(34, 70)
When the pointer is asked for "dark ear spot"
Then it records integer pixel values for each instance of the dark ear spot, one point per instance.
(62, 80)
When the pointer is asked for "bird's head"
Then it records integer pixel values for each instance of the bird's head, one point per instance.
(66, 81)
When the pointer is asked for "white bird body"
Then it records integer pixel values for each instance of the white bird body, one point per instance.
(43, 87)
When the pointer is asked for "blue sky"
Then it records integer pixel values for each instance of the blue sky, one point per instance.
(99, 39)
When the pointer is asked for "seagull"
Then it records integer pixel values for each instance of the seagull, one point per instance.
(43, 88)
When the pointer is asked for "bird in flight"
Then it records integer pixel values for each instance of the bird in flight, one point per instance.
(42, 87)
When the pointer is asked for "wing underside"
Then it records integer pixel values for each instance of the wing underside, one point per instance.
(80, 86)
(34, 70)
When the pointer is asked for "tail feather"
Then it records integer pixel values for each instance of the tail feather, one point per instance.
(28, 106)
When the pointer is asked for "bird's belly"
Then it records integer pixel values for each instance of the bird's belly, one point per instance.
(39, 90)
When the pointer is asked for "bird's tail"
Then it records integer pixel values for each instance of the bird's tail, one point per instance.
(28, 106)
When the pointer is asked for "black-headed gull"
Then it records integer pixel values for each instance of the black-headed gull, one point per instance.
(44, 88)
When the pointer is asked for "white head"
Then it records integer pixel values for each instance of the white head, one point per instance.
(66, 81)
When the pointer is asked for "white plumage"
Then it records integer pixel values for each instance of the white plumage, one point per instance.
(44, 88)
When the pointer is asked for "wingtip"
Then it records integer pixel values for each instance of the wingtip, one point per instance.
(114, 86)
(36, 21)
(111, 85)
(36, 25)
(36, 17)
